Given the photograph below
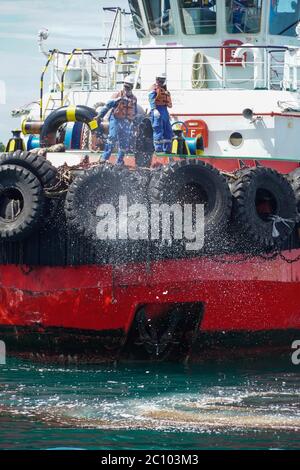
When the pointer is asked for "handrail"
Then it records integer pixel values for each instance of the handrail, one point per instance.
(92, 52)
(62, 83)
(71, 55)
(49, 60)
(103, 49)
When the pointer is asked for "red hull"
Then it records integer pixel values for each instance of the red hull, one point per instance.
(237, 294)
(255, 294)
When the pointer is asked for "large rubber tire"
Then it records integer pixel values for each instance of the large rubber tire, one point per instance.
(294, 179)
(103, 184)
(21, 202)
(207, 185)
(257, 186)
(39, 166)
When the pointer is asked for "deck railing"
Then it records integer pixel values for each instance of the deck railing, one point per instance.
(187, 68)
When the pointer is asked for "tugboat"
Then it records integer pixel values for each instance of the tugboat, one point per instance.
(232, 69)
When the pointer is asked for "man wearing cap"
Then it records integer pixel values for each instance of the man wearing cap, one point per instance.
(123, 106)
(160, 101)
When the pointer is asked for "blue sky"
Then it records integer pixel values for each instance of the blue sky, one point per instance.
(72, 23)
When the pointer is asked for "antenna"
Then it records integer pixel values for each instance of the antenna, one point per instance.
(43, 35)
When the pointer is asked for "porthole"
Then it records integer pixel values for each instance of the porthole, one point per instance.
(236, 139)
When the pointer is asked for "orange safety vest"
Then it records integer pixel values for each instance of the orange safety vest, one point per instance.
(163, 96)
(126, 109)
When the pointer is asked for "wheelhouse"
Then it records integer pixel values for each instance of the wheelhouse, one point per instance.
(268, 19)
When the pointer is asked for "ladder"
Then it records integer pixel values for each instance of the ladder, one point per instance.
(127, 62)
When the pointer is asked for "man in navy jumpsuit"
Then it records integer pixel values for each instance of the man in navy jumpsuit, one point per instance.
(160, 101)
(124, 110)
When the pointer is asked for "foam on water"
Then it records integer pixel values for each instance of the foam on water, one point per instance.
(159, 399)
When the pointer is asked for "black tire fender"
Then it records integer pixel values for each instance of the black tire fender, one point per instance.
(38, 165)
(167, 183)
(252, 187)
(21, 194)
(103, 184)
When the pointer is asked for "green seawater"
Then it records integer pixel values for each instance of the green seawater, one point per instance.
(162, 406)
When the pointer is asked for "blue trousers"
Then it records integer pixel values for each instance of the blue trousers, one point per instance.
(162, 130)
(120, 131)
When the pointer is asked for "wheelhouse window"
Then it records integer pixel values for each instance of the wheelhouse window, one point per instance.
(243, 16)
(198, 16)
(159, 16)
(284, 17)
(137, 18)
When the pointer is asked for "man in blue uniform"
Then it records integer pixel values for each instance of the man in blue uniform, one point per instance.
(160, 101)
(123, 106)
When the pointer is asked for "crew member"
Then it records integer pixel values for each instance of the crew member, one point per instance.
(160, 100)
(123, 106)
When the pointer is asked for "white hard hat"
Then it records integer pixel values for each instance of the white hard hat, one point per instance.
(162, 75)
(129, 80)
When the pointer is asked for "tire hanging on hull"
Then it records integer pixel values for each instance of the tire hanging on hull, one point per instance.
(194, 182)
(264, 207)
(104, 184)
(21, 202)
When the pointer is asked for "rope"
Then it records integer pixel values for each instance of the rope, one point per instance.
(289, 261)
(276, 219)
(247, 257)
(65, 178)
(199, 73)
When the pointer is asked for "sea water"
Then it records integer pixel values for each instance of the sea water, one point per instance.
(159, 406)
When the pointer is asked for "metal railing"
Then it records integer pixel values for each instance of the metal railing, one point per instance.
(49, 61)
(103, 69)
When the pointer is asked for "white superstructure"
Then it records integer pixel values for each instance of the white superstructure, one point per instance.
(221, 58)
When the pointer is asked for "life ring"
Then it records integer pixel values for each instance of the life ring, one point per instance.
(264, 207)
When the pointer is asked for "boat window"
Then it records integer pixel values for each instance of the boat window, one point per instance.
(243, 16)
(137, 18)
(284, 17)
(159, 16)
(198, 16)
